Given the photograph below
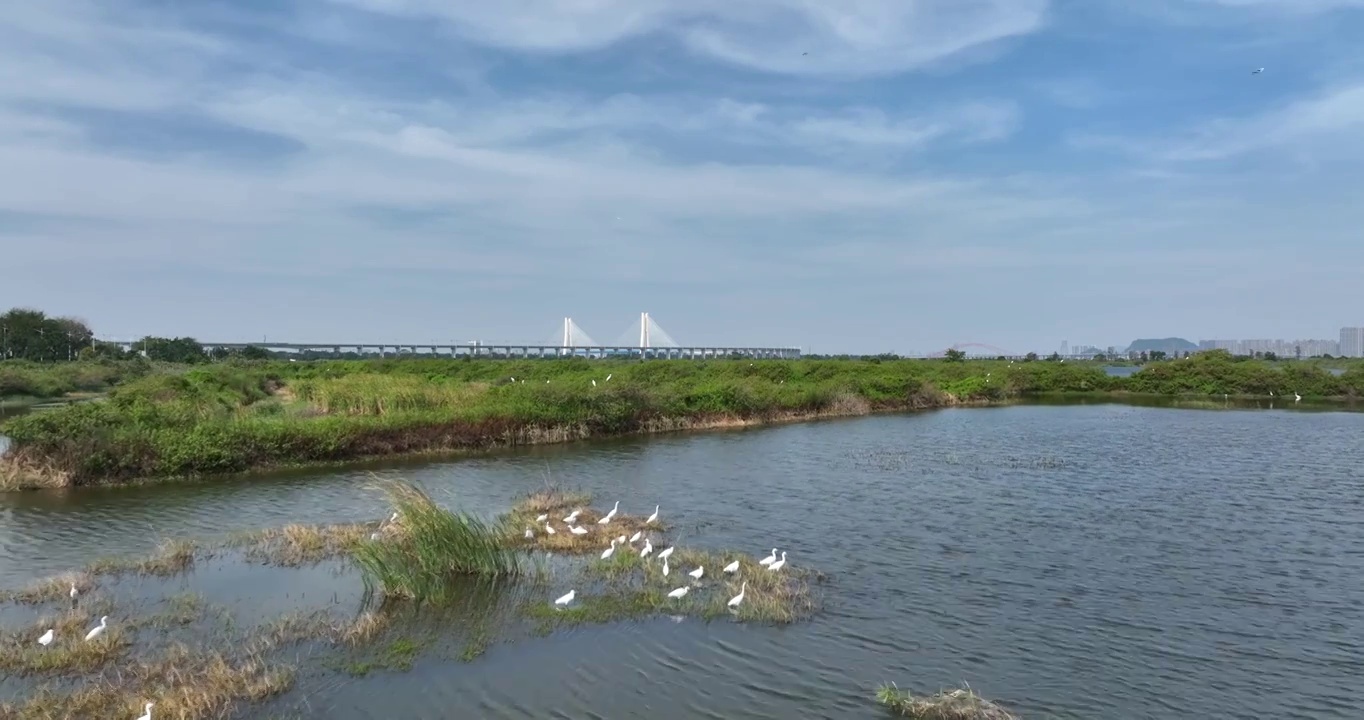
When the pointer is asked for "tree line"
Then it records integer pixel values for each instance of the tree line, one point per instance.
(32, 335)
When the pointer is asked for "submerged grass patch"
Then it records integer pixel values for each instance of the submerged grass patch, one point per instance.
(52, 588)
(69, 651)
(958, 704)
(171, 557)
(295, 545)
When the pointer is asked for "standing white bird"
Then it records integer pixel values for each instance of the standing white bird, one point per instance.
(667, 552)
(679, 592)
(566, 598)
(621, 540)
(48, 637)
(594, 383)
(148, 714)
(577, 530)
(73, 591)
(513, 379)
(103, 623)
(549, 529)
(732, 567)
(648, 548)
(541, 517)
(608, 551)
(1296, 397)
(698, 572)
(778, 564)
(608, 377)
(572, 516)
(665, 567)
(652, 517)
(607, 518)
(638, 534)
(734, 601)
(529, 534)
(769, 559)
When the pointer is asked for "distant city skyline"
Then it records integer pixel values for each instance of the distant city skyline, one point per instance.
(861, 177)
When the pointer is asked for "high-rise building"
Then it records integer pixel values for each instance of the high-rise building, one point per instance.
(1352, 342)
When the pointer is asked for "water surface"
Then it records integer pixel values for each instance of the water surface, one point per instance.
(1091, 561)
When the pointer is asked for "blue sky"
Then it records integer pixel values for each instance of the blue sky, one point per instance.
(1009, 172)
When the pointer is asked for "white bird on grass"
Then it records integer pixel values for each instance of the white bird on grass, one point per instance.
(608, 377)
(778, 564)
(577, 530)
(665, 567)
(679, 592)
(103, 623)
(608, 551)
(148, 714)
(667, 552)
(734, 601)
(566, 598)
(648, 548)
(48, 637)
(769, 559)
(609, 515)
(529, 534)
(1296, 397)
(621, 540)
(541, 517)
(594, 383)
(732, 567)
(572, 516)
(638, 534)
(652, 517)
(73, 591)
(549, 529)
(698, 572)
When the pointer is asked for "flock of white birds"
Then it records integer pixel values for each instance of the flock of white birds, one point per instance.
(770, 562)
(50, 636)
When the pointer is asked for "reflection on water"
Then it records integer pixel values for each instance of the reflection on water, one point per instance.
(1094, 561)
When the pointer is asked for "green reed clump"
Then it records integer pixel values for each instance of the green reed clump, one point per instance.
(19, 378)
(428, 548)
(959, 704)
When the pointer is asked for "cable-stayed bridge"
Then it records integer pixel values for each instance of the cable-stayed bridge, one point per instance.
(643, 339)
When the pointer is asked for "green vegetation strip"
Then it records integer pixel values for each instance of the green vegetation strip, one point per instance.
(237, 416)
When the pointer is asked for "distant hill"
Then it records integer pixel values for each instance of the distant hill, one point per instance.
(1166, 345)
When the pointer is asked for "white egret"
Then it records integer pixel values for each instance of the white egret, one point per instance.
(73, 591)
(148, 714)
(769, 559)
(679, 592)
(594, 383)
(103, 623)
(513, 379)
(638, 534)
(549, 529)
(665, 567)
(374, 536)
(778, 564)
(698, 572)
(667, 552)
(734, 601)
(608, 516)
(652, 517)
(48, 637)
(529, 534)
(393, 518)
(572, 516)
(541, 517)
(566, 598)
(732, 567)
(621, 540)
(577, 530)
(1296, 397)
(648, 548)
(608, 378)
(608, 551)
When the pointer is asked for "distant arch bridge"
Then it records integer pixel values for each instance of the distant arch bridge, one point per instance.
(976, 349)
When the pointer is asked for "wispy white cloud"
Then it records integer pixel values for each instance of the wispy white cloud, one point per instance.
(853, 37)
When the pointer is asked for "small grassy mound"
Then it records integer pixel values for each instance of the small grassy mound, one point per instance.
(959, 704)
(296, 545)
(21, 654)
(51, 588)
(418, 556)
(171, 557)
(559, 504)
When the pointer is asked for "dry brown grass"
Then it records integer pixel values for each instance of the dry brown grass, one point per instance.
(295, 545)
(320, 625)
(69, 652)
(959, 704)
(48, 589)
(558, 504)
(185, 684)
(170, 558)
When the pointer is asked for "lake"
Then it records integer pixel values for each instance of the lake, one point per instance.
(1073, 561)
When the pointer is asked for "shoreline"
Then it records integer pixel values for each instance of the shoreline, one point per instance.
(15, 475)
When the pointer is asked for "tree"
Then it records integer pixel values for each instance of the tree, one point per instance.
(1054, 357)
(1157, 354)
(27, 334)
(175, 350)
(1030, 357)
(954, 355)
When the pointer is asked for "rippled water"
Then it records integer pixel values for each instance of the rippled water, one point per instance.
(1097, 561)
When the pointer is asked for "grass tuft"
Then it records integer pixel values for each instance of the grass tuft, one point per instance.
(57, 587)
(959, 704)
(559, 504)
(171, 557)
(69, 652)
(296, 545)
(429, 547)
